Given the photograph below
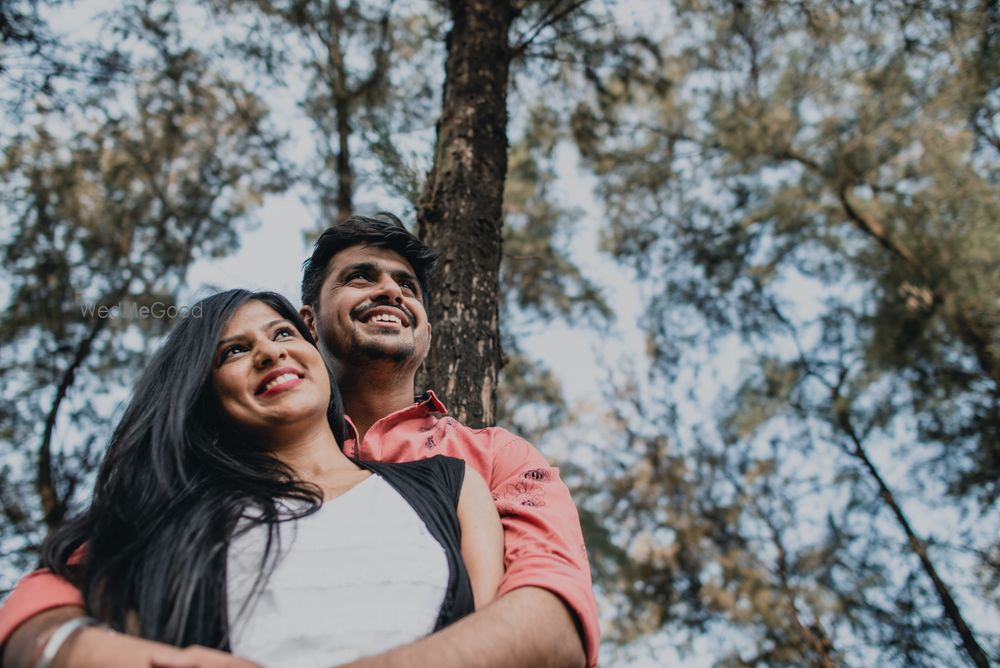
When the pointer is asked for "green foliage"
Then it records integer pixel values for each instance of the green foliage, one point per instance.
(108, 201)
(361, 75)
(538, 273)
(817, 183)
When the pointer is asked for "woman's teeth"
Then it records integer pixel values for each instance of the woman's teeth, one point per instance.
(283, 378)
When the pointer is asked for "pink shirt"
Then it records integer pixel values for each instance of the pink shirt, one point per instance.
(543, 542)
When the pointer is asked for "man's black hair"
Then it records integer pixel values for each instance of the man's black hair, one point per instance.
(383, 231)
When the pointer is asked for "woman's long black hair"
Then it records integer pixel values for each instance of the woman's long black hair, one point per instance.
(173, 485)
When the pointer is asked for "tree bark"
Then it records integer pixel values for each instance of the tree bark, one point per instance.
(460, 211)
(342, 107)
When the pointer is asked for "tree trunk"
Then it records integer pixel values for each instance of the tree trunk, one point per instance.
(460, 211)
(342, 107)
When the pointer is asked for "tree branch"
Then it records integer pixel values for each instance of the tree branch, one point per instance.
(814, 634)
(969, 643)
(549, 18)
(54, 507)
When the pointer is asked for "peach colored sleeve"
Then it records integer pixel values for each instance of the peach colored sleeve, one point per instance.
(37, 592)
(543, 541)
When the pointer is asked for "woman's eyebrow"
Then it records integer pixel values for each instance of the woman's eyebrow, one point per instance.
(229, 339)
(238, 337)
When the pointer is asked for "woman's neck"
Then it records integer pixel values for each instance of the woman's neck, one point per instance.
(312, 454)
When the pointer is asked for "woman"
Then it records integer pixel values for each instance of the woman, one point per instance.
(233, 436)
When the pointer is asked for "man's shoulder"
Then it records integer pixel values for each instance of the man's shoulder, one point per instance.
(493, 438)
(429, 406)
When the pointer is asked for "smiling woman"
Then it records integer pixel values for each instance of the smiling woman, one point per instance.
(268, 376)
(233, 434)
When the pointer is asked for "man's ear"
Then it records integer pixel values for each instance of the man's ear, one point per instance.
(310, 318)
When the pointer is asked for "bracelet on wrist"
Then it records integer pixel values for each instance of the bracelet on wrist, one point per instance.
(59, 637)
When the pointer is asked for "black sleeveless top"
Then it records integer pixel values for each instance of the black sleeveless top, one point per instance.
(432, 487)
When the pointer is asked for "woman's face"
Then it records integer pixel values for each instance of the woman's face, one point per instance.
(266, 375)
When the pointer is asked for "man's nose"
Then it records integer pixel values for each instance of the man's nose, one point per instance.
(387, 288)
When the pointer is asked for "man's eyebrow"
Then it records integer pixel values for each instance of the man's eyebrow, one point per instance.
(239, 337)
(367, 267)
(403, 273)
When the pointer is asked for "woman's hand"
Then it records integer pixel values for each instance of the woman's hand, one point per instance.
(196, 656)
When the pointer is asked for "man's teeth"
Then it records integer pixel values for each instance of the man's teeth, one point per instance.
(283, 378)
(386, 317)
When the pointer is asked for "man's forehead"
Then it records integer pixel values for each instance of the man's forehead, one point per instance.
(364, 254)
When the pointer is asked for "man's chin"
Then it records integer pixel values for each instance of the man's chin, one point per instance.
(372, 352)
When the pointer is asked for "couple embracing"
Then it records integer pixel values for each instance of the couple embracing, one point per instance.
(274, 496)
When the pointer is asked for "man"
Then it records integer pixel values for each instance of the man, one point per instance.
(364, 291)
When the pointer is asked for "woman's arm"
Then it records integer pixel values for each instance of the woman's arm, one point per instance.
(482, 537)
(99, 648)
(89, 646)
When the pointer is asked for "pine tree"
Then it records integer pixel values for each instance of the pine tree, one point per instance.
(110, 199)
(817, 183)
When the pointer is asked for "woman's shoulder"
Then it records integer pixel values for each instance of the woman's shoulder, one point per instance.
(437, 473)
(435, 463)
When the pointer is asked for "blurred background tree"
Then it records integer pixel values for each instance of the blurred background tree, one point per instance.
(801, 468)
(817, 184)
(110, 192)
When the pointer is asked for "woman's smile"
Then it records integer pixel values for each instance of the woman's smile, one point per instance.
(268, 374)
(279, 380)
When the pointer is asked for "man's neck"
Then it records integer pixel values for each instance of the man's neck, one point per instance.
(369, 396)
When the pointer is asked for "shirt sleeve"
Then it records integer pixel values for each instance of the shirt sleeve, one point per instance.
(543, 542)
(37, 592)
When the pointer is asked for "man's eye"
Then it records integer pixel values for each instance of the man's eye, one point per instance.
(357, 276)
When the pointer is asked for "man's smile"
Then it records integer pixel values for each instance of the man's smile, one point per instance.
(383, 315)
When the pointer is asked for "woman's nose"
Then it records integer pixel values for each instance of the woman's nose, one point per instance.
(267, 353)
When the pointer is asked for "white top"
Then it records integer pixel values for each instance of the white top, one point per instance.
(357, 577)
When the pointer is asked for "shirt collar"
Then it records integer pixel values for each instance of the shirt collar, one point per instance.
(423, 406)
(430, 401)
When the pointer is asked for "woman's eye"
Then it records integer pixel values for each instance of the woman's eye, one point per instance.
(231, 350)
(284, 333)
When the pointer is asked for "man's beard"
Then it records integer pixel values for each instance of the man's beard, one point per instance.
(370, 351)
(359, 353)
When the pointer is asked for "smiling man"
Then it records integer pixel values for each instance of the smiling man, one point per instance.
(364, 291)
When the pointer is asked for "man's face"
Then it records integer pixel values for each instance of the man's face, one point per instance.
(370, 309)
